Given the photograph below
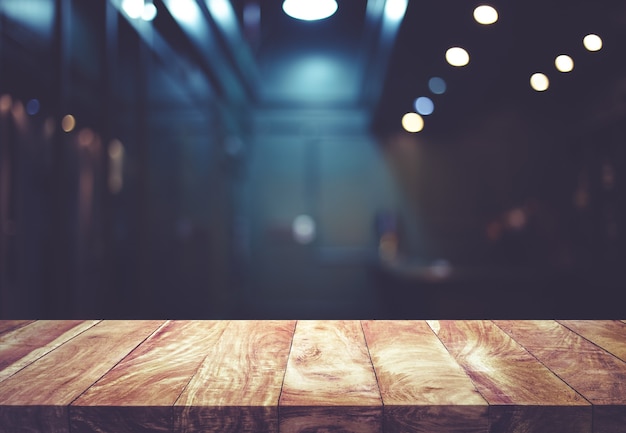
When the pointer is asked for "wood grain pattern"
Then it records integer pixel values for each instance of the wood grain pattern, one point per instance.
(596, 374)
(10, 325)
(423, 388)
(25, 345)
(139, 392)
(518, 376)
(599, 376)
(507, 375)
(330, 374)
(608, 334)
(238, 385)
(39, 394)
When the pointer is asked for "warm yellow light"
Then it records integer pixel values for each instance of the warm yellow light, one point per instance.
(457, 56)
(539, 82)
(592, 42)
(68, 123)
(564, 63)
(485, 14)
(412, 122)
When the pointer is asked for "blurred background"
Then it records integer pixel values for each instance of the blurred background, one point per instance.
(397, 159)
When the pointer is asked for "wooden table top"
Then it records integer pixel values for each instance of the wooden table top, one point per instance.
(502, 376)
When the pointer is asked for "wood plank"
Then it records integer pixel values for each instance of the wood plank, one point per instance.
(139, 392)
(25, 345)
(38, 395)
(423, 388)
(238, 385)
(524, 395)
(10, 325)
(596, 374)
(329, 384)
(608, 334)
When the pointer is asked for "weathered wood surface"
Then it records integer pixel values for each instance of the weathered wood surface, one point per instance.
(422, 386)
(24, 345)
(147, 382)
(329, 380)
(238, 386)
(431, 376)
(516, 385)
(36, 398)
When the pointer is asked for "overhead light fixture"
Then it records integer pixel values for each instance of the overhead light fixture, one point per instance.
(395, 9)
(457, 56)
(485, 14)
(310, 10)
(135, 9)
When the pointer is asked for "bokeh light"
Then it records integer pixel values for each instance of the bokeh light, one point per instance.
(592, 42)
(564, 63)
(5, 103)
(437, 85)
(68, 123)
(116, 166)
(85, 137)
(485, 14)
(424, 106)
(32, 107)
(412, 122)
(539, 82)
(457, 56)
(303, 229)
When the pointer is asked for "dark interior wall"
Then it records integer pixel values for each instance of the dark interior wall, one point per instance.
(73, 245)
(527, 211)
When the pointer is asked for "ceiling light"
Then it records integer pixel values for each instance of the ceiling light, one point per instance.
(539, 82)
(564, 63)
(412, 122)
(485, 15)
(133, 8)
(149, 11)
(592, 42)
(457, 56)
(395, 9)
(310, 10)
